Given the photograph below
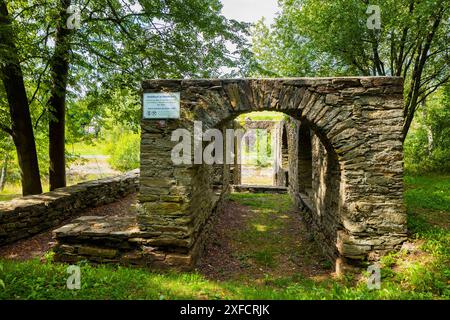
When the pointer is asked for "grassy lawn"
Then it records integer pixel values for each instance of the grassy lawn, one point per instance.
(11, 192)
(14, 190)
(96, 148)
(266, 246)
(428, 200)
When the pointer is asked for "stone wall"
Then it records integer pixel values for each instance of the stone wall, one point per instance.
(345, 163)
(315, 184)
(281, 165)
(25, 217)
(359, 168)
(176, 202)
(120, 240)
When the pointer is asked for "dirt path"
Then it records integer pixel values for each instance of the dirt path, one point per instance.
(260, 237)
(37, 246)
(89, 166)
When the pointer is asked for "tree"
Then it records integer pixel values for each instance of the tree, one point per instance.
(118, 44)
(427, 148)
(21, 127)
(6, 148)
(59, 68)
(319, 37)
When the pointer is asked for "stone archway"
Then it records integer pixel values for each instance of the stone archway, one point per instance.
(358, 121)
(345, 171)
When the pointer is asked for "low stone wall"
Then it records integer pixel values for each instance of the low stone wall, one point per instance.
(314, 185)
(28, 216)
(119, 240)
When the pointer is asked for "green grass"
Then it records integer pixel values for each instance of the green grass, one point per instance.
(424, 274)
(96, 148)
(428, 192)
(260, 240)
(11, 192)
(263, 201)
(37, 280)
(14, 190)
(428, 202)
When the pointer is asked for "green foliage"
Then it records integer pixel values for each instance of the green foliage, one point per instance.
(124, 150)
(7, 157)
(119, 44)
(2, 283)
(428, 204)
(425, 277)
(13, 173)
(428, 192)
(283, 51)
(95, 147)
(427, 147)
(404, 276)
(320, 37)
(261, 116)
(331, 38)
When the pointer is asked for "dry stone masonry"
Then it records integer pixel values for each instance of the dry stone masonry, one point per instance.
(355, 190)
(344, 162)
(25, 217)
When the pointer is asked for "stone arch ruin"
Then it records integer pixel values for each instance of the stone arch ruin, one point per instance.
(345, 160)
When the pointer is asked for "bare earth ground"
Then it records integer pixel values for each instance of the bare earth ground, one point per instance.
(38, 245)
(97, 166)
(251, 244)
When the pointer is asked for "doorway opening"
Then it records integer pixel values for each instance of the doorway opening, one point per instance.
(263, 149)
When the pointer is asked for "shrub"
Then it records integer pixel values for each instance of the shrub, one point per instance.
(124, 152)
(427, 147)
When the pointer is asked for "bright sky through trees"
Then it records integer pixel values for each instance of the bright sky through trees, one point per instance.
(250, 10)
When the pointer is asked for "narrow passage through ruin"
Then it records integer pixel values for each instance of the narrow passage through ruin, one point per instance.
(262, 238)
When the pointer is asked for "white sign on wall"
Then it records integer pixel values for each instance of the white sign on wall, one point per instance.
(162, 105)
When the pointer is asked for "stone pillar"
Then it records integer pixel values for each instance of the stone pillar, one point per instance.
(304, 159)
(372, 210)
(166, 193)
(237, 167)
(281, 163)
(222, 172)
(176, 202)
(284, 155)
(277, 150)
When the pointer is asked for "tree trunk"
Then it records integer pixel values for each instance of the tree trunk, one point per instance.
(416, 78)
(57, 101)
(430, 140)
(22, 129)
(3, 173)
